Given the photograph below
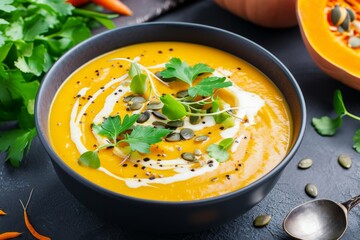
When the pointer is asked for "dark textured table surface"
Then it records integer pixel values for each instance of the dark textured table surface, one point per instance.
(55, 212)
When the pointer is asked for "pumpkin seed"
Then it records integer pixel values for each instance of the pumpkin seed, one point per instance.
(346, 23)
(173, 137)
(188, 156)
(143, 117)
(138, 100)
(351, 14)
(158, 74)
(197, 152)
(136, 106)
(335, 15)
(262, 221)
(159, 123)
(187, 133)
(305, 163)
(175, 123)
(128, 98)
(356, 25)
(195, 120)
(159, 126)
(345, 161)
(311, 190)
(154, 105)
(182, 94)
(201, 138)
(354, 42)
(159, 115)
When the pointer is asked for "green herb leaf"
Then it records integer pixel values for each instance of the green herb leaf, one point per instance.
(221, 117)
(339, 103)
(356, 140)
(5, 5)
(112, 126)
(138, 79)
(90, 159)
(207, 86)
(15, 143)
(172, 108)
(326, 126)
(141, 138)
(220, 151)
(181, 70)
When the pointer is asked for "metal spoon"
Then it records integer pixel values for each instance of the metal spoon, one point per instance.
(319, 219)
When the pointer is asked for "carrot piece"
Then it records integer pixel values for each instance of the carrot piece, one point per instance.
(115, 6)
(9, 235)
(2, 213)
(28, 224)
(77, 3)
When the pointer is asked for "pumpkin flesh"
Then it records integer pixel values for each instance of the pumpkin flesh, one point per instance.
(329, 47)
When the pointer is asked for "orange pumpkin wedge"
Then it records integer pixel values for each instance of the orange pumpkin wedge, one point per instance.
(327, 37)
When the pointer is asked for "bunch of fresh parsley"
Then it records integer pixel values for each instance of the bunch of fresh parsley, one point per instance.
(327, 126)
(33, 35)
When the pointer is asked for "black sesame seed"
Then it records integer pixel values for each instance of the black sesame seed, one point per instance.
(222, 128)
(193, 170)
(170, 49)
(236, 169)
(143, 167)
(159, 51)
(135, 176)
(203, 122)
(227, 177)
(209, 132)
(124, 165)
(146, 159)
(151, 177)
(239, 68)
(135, 165)
(78, 95)
(137, 160)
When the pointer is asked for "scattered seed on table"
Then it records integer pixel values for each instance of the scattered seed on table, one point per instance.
(311, 190)
(305, 163)
(345, 161)
(262, 221)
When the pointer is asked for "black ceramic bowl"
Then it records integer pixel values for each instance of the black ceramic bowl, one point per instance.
(163, 216)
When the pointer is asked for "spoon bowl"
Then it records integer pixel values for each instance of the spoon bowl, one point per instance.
(319, 219)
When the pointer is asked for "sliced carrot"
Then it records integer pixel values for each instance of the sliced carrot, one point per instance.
(9, 235)
(77, 3)
(115, 6)
(28, 224)
(2, 213)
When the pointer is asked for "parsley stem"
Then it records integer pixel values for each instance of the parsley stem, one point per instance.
(352, 116)
(211, 114)
(105, 146)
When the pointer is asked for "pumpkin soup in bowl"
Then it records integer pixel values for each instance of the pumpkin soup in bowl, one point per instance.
(170, 121)
(169, 127)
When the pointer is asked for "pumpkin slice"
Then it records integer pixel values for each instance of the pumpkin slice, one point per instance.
(330, 30)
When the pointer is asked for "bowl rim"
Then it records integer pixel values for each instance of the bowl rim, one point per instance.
(223, 197)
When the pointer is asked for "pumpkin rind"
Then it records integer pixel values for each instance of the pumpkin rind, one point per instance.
(332, 56)
(266, 13)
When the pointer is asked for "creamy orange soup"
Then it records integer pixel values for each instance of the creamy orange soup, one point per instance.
(262, 129)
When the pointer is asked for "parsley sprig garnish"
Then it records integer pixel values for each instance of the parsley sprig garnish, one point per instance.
(327, 126)
(115, 129)
(33, 35)
(220, 151)
(182, 71)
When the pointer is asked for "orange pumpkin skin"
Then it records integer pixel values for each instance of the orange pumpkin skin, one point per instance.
(266, 13)
(332, 56)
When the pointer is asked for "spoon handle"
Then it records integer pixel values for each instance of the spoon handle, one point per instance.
(351, 203)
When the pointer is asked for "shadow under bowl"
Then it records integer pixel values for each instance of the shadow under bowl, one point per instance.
(162, 216)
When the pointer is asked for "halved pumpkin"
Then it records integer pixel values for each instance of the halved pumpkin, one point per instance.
(327, 40)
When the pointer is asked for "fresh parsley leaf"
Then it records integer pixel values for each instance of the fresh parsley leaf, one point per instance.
(141, 138)
(5, 5)
(112, 127)
(138, 79)
(207, 86)
(339, 103)
(221, 117)
(15, 143)
(220, 151)
(326, 126)
(181, 70)
(356, 140)
(172, 108)
(34, 64)
(90, 159)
